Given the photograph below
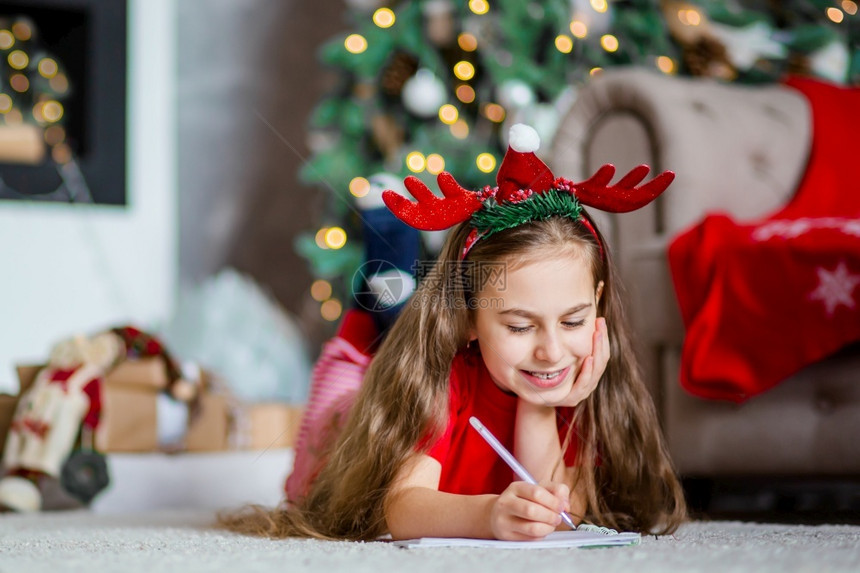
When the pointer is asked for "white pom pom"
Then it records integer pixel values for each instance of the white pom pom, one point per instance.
(523, 138)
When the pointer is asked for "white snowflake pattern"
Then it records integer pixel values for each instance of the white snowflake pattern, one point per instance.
(793, 228)
(835, 287)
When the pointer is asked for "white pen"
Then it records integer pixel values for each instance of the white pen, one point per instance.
(509, 458)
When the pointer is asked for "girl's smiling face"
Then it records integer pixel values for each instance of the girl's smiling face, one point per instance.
(536, 329)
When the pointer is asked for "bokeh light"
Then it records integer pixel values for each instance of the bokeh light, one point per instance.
(465, 93)
(486, 162)
(448, 114)
(467, 42)
(563, 44)
(665, 64)
(494, 112)
(384, 17)
(18, 59)
(319, 238)
(7, 40)
(599, 5)
(435, 163)
(331, 309)
(359, 186)
(355, 43)
(48, 67)
(321, 290)
(416, 162)
(835, 14)
(578, 29)
(335, 237)
(460, 130)
(609, 42)
(464, 70)
(479, 7)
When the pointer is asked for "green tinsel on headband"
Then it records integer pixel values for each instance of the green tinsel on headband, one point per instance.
(494, 217)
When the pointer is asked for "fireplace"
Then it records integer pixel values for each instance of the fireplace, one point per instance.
(63, 101)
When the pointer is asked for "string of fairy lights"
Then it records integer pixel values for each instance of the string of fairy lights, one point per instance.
(461, 90)
(32, 85)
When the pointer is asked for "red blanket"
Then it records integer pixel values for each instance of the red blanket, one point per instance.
(760, 300)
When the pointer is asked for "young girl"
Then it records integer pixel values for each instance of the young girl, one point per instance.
(519, 324)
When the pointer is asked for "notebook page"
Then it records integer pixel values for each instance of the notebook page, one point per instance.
(555, 539)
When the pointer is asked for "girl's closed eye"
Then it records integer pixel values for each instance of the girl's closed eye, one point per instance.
(570, 324)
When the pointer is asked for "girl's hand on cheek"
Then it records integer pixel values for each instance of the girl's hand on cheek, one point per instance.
(592, 368)
(525, 511)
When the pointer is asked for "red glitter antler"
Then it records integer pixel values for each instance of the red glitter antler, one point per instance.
(432, 213)
(624, 196)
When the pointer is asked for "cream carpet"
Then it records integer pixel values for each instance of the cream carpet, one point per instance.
(184, 541)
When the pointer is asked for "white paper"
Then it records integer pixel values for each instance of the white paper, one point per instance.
(555, 539)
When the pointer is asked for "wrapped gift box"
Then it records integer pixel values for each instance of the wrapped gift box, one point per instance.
(210, 425)
(223, 424)
(267, 425)
(130, 414)
(129, 418)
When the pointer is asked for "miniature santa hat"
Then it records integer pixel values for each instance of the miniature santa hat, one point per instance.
(521, 169)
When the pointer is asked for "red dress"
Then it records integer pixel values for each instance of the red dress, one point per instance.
(469, 464)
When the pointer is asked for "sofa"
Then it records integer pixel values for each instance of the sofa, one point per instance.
(740, 150)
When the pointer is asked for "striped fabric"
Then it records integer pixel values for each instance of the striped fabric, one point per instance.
(335, 381)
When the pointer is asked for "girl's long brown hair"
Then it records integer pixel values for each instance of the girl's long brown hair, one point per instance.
(622, 460)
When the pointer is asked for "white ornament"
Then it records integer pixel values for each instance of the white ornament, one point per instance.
(379, 183)
(831, 61)
(424, 93)
(835, 288)
(515, 94)
(745, 46)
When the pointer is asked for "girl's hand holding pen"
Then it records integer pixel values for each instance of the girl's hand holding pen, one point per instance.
(525, 511)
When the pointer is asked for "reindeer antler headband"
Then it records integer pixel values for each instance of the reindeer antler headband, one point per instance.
(527, 191)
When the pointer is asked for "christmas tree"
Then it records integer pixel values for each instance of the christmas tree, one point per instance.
(433, 85)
